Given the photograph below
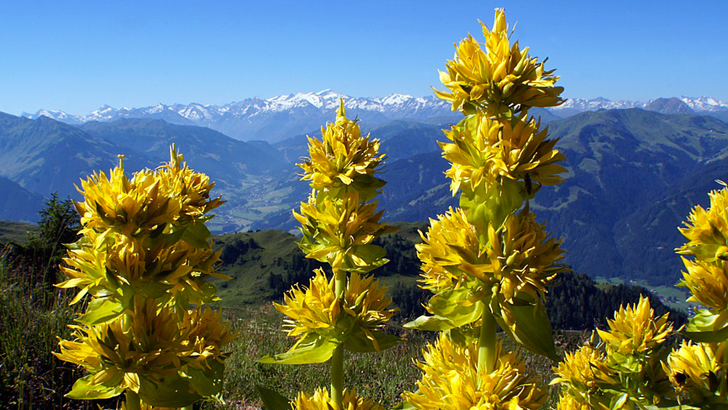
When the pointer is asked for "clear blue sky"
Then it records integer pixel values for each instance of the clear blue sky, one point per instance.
(78, 55)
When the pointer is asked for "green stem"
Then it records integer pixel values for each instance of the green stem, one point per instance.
(337, 360)
(133, 402)
(337, 377)
(486, 343)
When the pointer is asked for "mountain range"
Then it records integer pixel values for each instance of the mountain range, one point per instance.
(634, 174)
(278, 118)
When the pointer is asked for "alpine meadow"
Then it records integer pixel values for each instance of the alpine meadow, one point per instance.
(494, 246)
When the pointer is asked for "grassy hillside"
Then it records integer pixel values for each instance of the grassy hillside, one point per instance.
(15, 231)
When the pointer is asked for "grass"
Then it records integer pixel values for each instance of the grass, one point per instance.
(380, 377)
(15, 231)
(33, 316)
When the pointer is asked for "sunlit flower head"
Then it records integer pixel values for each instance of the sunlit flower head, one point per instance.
(340, 231)
(707, 282)
(451, 381)
(315, 309)
(635, 330)
(342, 157)
(192, 189)
(321, 400)
(518, 257)
(568, 402)
(484, 150)
(172, 194)
(450, 245)
(699, 370)
(206, 334)
(707, 230)
(498, 75)
(117, 353)
(583, 374)
(100, 263)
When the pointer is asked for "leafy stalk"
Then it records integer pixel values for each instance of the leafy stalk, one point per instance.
(337, 359)
(487, 343)
(132, 401)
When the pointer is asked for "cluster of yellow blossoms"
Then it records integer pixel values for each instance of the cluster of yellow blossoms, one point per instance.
(625, 369)
(451, 381)
(489, 260)
(635, 368)
(144, 257)
(499, 77)
(699, 369)
(339, 224)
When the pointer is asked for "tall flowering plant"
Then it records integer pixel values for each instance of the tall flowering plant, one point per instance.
(621, 367)
(489, 262)
(698, 368)
(633, 367)
(143, 260)
(339, 223)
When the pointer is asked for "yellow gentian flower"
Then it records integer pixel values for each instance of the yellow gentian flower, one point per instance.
(707, 283)
(451, 380)
(321, 400)
(707, 230)
(484, 150)
(316, 309)
(699, 370)
(517, 258)
(497, 77)
(340, 231)
(342, 157)
(634, 329)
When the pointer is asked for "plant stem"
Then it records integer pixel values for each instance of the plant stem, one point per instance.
(132, 401)
(486, 342)
(337, 360)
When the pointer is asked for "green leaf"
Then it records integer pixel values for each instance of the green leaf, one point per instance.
(84, 390)
(272, 400)
(207, 382)
(455, 305)
(531, 329)
(404, 405)
(100, 311)
(702, 327)
(432, 323)
(197, 235)
(357, 341)
(167, 391)
(313, 349)
(494, 205)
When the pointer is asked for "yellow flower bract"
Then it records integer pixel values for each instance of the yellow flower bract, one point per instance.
(316, 309)
(483, 150)
(584, 371)
(707, 283)
(341, 156)
(333, 228)
(321, 400)
(497, 77)
(451, 381)
(699, 370)
(517, 258)
(127, 223)
(707, 230)
(635, 330)
(150, 343)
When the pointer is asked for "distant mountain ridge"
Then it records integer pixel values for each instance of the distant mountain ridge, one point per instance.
(277, 118)
(701, 105)
(272, 119)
